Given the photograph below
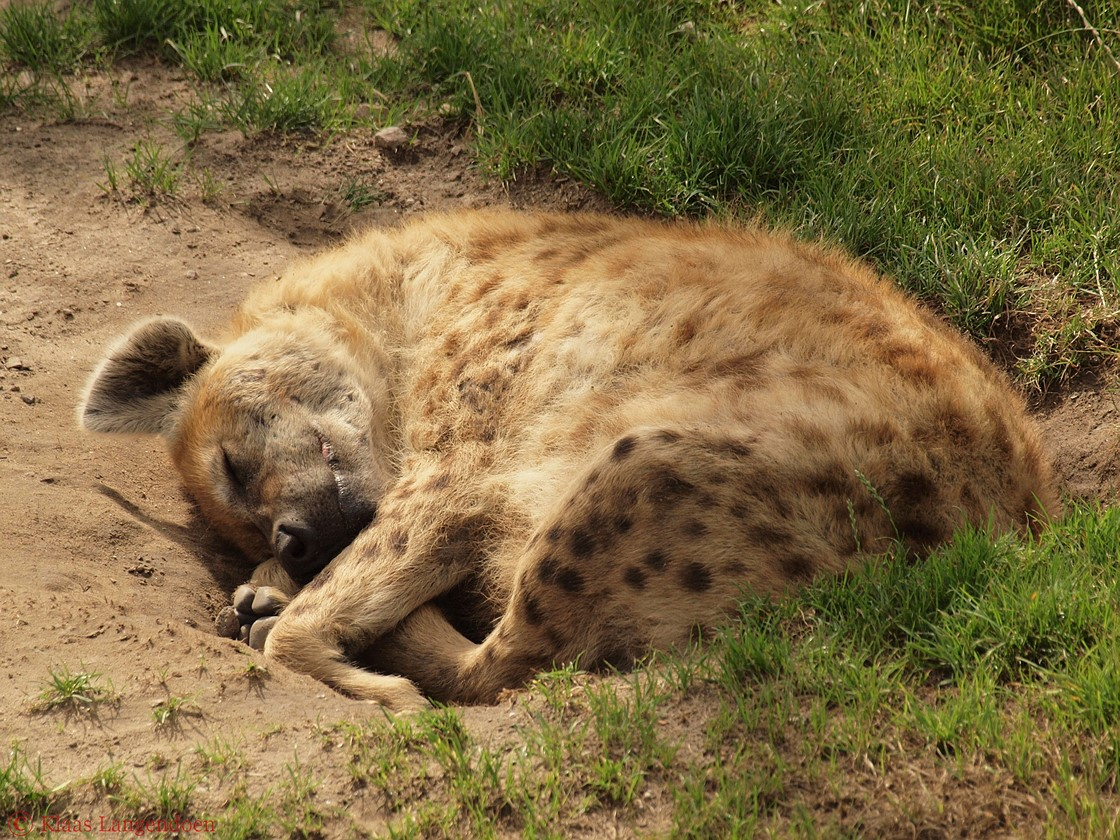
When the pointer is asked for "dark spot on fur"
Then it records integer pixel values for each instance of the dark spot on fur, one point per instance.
(832, 480)
(667, 486)
(548, 569)
(874, 432)
(581, 543)
(913, 489)
(592, 479)
(695, 577)
(917, 368)
(957, 428)
(656, 560)
(635, 577)
(465, 541)
(555, 642)
(438, 482)
(622, 524)
(695, 528)
(452, 342)
(554, 533)
(731, 448)
(746, 368)
(796, 566)
(399, 541)
(921, 532)
(810, 434)
(597, 525)
(624, 447)
(969, 500)
(1001, 439)
(532, 610)
(831, 391)
(769, 535)
(570, 580)
(685, 331)
(483, 249)
(777, 503)
(873, 328)
(739, 510)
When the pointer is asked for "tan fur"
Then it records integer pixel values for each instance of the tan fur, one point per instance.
(595, 432)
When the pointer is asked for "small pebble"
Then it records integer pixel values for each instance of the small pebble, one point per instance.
(390, 138)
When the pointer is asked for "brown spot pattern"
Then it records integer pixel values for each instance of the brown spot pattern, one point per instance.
(656, 560)
(695, 577)
(582, 543)
(634, 577)
(624, 447)
(570, 580)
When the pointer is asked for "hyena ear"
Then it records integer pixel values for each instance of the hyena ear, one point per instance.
(136, 388)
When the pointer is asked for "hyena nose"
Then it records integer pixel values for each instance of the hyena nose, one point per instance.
(294, 546)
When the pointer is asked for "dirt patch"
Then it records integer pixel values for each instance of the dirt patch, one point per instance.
(107, 568)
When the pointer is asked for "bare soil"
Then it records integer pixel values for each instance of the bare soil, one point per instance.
(107, 568)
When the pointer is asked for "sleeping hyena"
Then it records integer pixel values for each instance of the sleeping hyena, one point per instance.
(590, 434)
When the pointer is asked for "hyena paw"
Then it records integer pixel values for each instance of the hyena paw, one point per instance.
(252, 615)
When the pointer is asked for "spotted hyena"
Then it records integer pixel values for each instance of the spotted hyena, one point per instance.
(588, 435)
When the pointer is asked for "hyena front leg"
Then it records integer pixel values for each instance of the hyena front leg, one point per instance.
(658, 538)
(424, 541)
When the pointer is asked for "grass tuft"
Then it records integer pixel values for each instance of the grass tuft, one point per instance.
(33, 36)
(23, 790)
(74, 691)
(152, 174)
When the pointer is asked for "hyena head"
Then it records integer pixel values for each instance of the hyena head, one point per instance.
(280, 437)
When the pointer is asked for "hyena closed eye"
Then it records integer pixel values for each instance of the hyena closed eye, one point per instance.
(586, 435)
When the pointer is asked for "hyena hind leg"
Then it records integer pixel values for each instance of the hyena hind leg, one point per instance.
(660, 535)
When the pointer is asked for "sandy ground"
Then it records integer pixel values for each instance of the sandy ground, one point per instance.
(106, 569)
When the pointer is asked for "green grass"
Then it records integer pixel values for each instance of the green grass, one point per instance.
(74, 691)
(150, 175)
(164, 797)
(169, 712)
(32, 36)
(23, 789)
